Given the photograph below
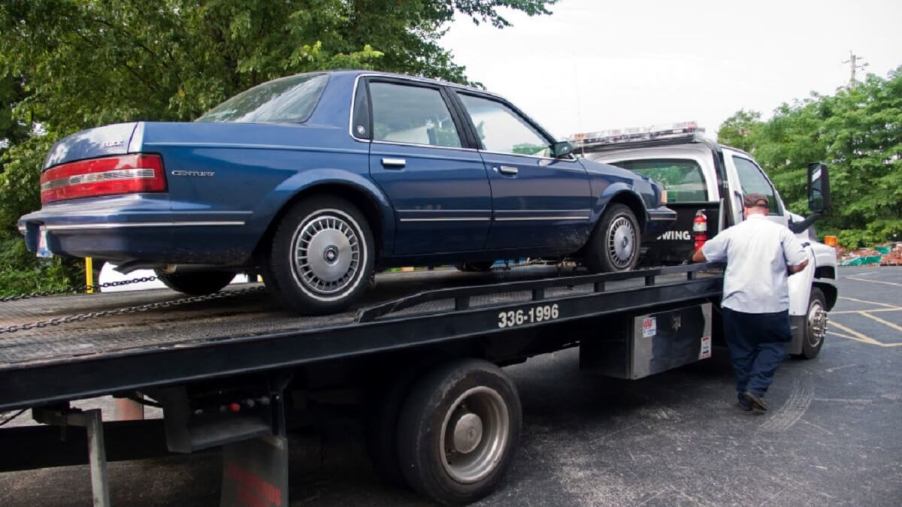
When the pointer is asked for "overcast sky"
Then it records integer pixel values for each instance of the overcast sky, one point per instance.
(596, 65)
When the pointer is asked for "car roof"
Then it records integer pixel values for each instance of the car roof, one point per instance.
(360, 72)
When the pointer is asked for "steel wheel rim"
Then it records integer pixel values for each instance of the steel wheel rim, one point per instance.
(327, 254)
(621, 242)
(474, 434)
(817, 324)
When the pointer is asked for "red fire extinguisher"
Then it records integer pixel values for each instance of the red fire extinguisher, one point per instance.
(700, 228)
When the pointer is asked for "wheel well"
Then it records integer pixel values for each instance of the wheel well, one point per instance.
(830, 293)
(358, 198)
(634, 203)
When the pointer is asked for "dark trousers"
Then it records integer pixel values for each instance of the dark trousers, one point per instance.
(757, 343)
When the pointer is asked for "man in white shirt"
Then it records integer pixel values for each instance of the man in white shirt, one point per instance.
(760, 254)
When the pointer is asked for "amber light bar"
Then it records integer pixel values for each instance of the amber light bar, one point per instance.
(122, 174)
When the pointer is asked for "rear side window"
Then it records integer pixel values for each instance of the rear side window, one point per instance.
(682, 178)
(753, 181)
(411, 115)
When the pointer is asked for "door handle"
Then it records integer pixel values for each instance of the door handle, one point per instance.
(507, 169)
(393, 163)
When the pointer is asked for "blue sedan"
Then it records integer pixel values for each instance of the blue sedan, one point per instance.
(318, 180)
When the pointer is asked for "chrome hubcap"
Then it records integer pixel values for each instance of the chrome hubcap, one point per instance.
(817, 323)
(474, 434)
(327, 254)
(621, 242)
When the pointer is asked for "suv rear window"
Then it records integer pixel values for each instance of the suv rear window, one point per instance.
(682, 178)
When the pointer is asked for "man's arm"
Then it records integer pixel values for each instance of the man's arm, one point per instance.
(698, 256)
(798, 267)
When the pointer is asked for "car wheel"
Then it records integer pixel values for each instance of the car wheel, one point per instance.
(815, 325)
(195, 283)
(458, 431)
(614, 245)
(475, 267)
(321, 257)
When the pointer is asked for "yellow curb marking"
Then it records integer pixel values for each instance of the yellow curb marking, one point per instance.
(860, 337)
(886, 322)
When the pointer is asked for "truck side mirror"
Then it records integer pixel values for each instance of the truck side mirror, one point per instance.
(561, 149)
(818, 188)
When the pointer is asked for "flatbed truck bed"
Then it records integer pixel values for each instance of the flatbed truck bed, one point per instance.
(204, 360)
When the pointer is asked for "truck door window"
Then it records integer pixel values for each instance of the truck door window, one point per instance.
(682, 178)
(501, 130)
(753, 181)
(411, 115)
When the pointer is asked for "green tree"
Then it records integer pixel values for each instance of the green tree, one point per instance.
(858, 132)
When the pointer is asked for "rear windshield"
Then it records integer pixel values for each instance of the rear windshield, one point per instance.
(287, 100)
(681, 178)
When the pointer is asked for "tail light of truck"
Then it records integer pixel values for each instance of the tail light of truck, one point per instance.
(121, 174)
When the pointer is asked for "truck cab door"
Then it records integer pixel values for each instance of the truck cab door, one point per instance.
(744, 177)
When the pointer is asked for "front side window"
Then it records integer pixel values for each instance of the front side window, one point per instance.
(287, 100)
(682, 178)
(753, 180)
(502, 130)
(411, 115)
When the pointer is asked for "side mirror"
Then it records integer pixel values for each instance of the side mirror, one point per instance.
(818, 188)
(561, 149)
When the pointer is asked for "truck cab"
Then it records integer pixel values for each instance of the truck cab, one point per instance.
(705, 182)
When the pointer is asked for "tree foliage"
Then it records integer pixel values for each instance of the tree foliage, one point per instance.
(66, 65)
(857, 132)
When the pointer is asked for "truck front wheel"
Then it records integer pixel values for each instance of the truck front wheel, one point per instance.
(815, 326)
(458, 430)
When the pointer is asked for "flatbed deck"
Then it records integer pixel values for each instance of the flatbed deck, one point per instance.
(246, 332)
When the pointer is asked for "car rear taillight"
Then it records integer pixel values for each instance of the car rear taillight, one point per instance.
(122, 174)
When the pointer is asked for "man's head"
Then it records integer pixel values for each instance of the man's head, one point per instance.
(755, 204)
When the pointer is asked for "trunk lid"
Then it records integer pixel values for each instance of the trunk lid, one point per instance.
(92, 143)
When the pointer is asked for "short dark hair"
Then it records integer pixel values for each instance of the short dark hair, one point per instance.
(754, 200)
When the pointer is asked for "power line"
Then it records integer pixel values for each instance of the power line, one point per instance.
(856, 62)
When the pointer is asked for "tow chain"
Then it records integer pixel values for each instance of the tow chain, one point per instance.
(81, 317)
(76, 290)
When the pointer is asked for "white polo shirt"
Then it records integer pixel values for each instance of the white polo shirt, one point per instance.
(757, 252)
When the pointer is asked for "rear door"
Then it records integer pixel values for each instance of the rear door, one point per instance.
(538, 201)
(420, 158)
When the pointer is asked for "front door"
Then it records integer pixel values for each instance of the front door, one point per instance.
(538, 201)
(438, 188)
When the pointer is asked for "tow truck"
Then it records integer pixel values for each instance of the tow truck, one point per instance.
(705, 182)
(419, 362)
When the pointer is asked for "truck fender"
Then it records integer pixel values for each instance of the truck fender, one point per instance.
(310, 179)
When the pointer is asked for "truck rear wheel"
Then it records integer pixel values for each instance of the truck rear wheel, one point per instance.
(614, 245)
(195, 283)
(815, 325)
(322, 256)
(458, 431)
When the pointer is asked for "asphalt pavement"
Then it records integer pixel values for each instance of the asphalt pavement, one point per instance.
(833, 435)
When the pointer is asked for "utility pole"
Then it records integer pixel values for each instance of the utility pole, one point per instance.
(855, 62)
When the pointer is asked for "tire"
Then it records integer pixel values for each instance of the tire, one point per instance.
(383, 411)
(614, 245)
(456, 467)
(814, 327)
(476, 267)
(322, 256)
(196, 283)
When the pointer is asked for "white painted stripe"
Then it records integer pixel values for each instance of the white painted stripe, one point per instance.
(122, 225)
